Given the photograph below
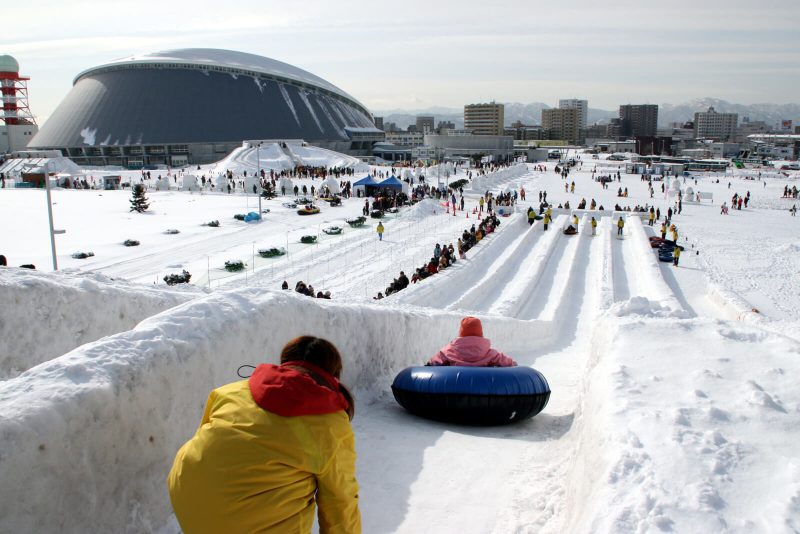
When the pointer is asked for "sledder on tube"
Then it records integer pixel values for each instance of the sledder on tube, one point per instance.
(468, 382)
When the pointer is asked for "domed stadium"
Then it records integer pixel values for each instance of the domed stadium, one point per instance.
(193, 106)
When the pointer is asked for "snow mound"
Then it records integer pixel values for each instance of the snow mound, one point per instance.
(692, 457)
(642, 306)
(52, 313)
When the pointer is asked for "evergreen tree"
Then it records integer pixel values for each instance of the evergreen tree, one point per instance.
(139, 200)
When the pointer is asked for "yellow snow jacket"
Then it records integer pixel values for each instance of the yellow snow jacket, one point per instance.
(248, 469)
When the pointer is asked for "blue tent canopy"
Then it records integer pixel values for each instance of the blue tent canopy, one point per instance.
(392, 182)
(367, 180)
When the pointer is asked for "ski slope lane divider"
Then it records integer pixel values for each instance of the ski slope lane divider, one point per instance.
(606, 279)
(475, 270)
(523, 276)
(492, 282)
(648, 272)
(561, 291)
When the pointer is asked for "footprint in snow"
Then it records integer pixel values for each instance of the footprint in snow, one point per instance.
(718, 415)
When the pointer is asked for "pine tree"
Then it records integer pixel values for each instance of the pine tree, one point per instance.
(139, 200)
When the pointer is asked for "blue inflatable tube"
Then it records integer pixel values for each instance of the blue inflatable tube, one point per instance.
(472, 395)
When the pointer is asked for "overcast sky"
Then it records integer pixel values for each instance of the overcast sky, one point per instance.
(410, 54)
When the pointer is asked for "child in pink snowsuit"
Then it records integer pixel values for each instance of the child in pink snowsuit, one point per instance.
(471, 349)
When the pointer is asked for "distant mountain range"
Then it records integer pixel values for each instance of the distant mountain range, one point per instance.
(531, 114)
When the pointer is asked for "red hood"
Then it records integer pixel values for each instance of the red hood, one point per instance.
(289, 392)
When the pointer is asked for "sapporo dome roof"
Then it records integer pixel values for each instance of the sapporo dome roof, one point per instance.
(213, 58)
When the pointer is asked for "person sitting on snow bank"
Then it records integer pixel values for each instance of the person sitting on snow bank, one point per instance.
(471, 349)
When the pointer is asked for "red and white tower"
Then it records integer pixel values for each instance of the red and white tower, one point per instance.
(17, 124)
(14, 91)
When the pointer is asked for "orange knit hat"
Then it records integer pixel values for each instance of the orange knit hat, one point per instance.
(470, 326)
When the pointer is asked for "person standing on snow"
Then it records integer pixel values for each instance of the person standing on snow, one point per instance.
(663, 230)
(676, 253)
(546, 220)
(594, 226)
(471, 349)
(620, 225)
(379, 229)
(531, 215)
(271, 449)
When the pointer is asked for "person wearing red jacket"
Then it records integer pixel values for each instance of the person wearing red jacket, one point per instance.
(471, 349)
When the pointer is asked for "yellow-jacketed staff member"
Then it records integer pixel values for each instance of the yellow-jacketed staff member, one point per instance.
(594, 225)
(271, 448)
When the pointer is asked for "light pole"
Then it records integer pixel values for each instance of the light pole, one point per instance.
(258, 174)
(53, 232)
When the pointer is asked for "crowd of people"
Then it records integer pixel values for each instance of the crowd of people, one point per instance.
(443, 256)
(307, 289)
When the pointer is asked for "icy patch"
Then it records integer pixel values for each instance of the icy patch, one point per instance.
(88, 135)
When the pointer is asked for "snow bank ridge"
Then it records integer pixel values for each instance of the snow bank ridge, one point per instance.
(52, 313)
(122, 406)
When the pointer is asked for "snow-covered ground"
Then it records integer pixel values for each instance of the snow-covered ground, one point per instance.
(674, 406)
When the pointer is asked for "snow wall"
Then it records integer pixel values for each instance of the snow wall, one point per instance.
(49, 314)
(108, 417)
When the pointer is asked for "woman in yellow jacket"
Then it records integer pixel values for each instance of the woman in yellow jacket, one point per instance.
(270, 448)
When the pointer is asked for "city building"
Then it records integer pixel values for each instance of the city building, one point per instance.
(717, 126)
(378, 122)
(581, 105)
(748, 128)
(425, 124)
(640, 120)
(499, 147)
(561, 123)
(484, 119)
(195, 105)
(523, 132)
(445, 125)
(17, 125)
(404, 139)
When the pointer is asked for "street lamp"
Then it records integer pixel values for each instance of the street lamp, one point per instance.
(258, 174)
(53, 232)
